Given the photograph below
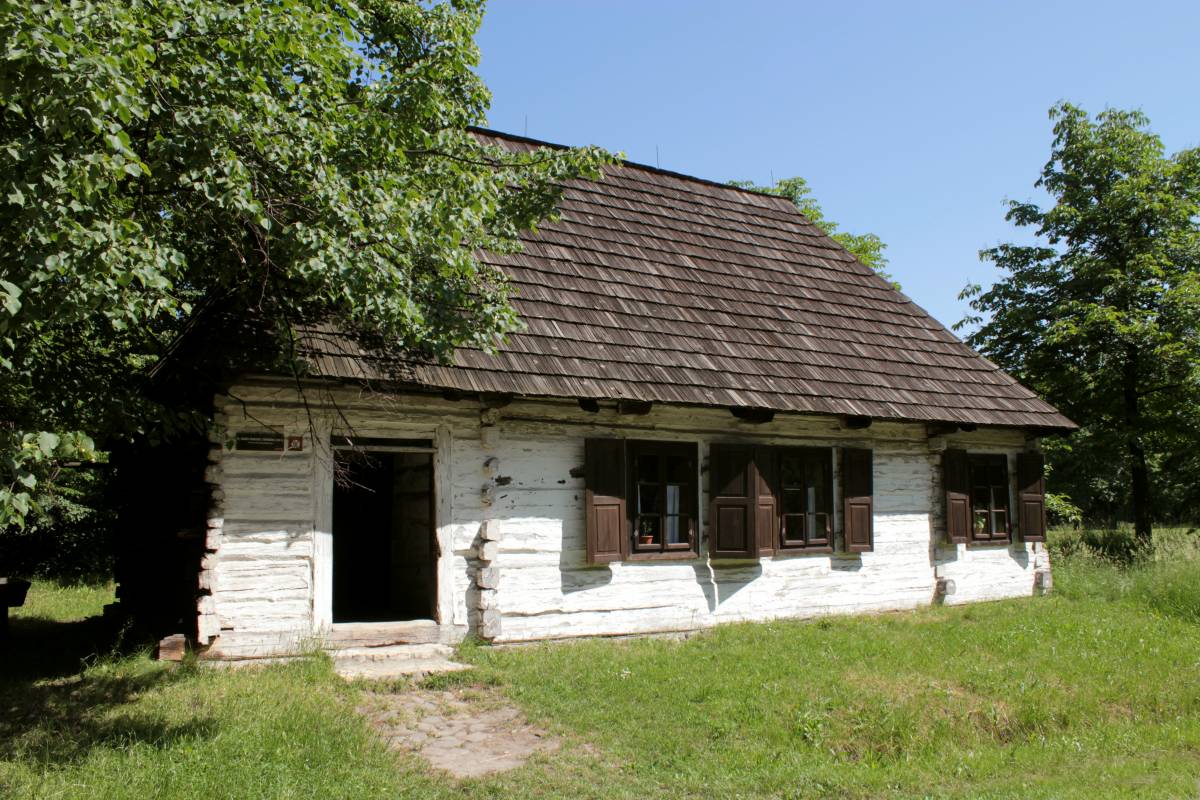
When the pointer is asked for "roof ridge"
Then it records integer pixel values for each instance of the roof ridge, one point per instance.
(636, 164)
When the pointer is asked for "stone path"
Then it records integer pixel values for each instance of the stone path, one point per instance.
(466, 732)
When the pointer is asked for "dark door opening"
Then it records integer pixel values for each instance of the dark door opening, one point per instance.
(384, 556)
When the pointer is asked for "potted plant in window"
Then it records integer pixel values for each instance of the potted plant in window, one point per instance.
(645, 536)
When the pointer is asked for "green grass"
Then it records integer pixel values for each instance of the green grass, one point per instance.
(1091, 693)
(52, 602)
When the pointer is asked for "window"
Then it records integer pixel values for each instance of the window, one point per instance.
(641, 500)
(771, 500)
(977, 497)
(663, 476)
(806, 491)
(989, 497)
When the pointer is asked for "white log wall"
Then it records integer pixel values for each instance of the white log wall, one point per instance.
(511, 531)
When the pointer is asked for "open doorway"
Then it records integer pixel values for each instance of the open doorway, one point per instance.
(384, 554)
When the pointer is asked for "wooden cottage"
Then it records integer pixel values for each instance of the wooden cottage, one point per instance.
(714, 413)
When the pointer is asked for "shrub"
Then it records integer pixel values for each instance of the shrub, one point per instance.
(71, 541)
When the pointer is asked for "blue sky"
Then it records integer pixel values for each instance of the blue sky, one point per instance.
(910, 120)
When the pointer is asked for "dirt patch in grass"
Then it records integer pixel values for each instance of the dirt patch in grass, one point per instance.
(466, 732)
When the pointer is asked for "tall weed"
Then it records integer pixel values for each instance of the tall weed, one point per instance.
(1114, 566)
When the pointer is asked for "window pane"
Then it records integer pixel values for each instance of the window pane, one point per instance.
(674, 497)
(647, 467)
(1000, 523)
(677, 530)
(648, 498)
(679, 469)
(793, 502)
(1000, 496)
(791, 472)
(793, 527)
(818, 526)
(981, 498)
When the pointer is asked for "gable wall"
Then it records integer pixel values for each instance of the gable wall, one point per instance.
(270, 566)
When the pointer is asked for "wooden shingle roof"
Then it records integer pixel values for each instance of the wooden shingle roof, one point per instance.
(662, 287)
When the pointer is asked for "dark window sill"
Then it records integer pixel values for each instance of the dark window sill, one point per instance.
(978, 543)
(804, 551)
(670, 555)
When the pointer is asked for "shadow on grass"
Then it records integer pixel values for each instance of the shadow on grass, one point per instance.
(54, 711)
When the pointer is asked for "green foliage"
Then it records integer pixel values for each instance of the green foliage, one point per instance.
(71, 538)
(1102, 315)
(1061, 511)
(30, 458)
(227, 172)
(866, 247)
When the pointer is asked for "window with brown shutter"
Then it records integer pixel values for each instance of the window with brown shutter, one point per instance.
(956, 482)
(857, 499)
(604, 500)
(768, 500)
(663, 497)
(641, 500)
(806, 497)
(1031, 496)
(989, 498)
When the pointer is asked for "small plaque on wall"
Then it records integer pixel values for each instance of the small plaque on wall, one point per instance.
(263, 441)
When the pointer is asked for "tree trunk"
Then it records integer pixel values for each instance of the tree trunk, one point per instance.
(1139, 473)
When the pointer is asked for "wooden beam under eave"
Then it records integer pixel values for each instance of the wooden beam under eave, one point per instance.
(856, 422)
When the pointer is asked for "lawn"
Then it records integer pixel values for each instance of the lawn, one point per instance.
(1092, 692)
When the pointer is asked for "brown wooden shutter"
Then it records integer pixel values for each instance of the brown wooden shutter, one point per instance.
(1031, 496)
(766, 505)
(956, 481)
(858, 503)
(734, 502)
(604, 499)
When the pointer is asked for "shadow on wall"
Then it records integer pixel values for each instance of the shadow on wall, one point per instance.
(1018, 553)
(719, 582)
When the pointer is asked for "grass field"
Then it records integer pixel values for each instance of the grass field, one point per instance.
(1093, 692)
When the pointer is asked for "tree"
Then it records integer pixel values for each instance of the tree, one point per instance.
(187, 167)
(1102, 314)
(866, 247)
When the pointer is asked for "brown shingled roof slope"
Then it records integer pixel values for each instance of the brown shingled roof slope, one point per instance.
(657, 286)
